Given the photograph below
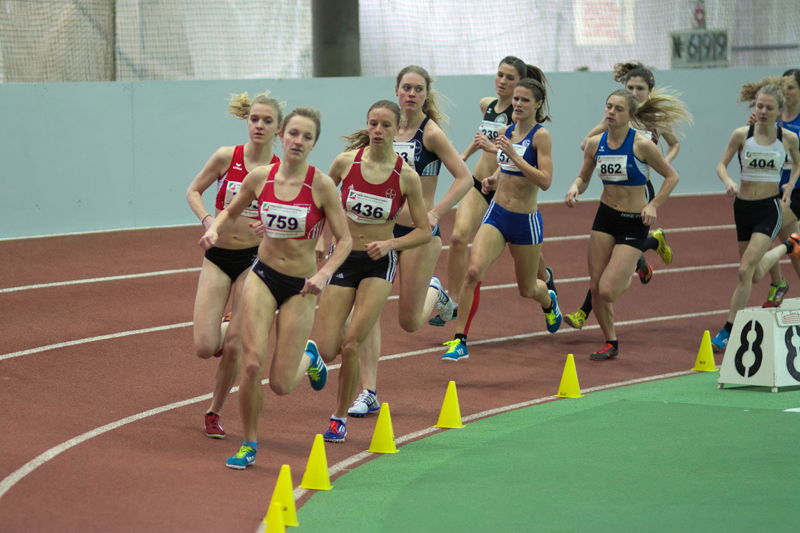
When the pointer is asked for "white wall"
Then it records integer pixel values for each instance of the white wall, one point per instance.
(95, 156)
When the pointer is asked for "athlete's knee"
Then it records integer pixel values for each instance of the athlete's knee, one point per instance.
(410, 324)
(206, 347)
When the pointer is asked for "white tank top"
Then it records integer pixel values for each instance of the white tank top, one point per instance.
(762, 163)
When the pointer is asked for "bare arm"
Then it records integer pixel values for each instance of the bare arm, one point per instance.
(327, 197)
(792, 146)
(597, 130)
(580, 184)
(734, 143)
(443, 148)
(211, 171)
(650, 154)
(477, 141)
(673, 146)
(249, 191)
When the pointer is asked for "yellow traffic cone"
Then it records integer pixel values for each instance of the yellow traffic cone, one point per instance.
(283, 493)
(569, 387)
(274, 519)
(383, 436)
(450, 415)
(316, 476)
(705, 356)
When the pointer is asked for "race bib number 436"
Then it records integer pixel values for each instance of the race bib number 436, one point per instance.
(368, 208)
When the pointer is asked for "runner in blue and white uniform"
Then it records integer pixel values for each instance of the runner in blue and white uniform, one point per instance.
(496, 115)
(640, 81)
(623, 159)
(790, 120)
(513, 218)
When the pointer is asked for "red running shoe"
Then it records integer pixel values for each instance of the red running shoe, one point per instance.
(213, 429)
(606, 353)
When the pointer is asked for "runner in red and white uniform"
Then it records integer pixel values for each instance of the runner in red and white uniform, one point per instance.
(294, 201)
(224, 266)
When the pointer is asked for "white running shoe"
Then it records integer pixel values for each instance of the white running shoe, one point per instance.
(365, 404)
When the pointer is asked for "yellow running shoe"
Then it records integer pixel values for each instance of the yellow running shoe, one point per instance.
(663, 250)
(576, 319)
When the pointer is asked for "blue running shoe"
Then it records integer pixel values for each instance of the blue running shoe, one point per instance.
(337, 431)
(720, 341)
(243, 458)
(456, 350)
(317, 371)
(553, 317)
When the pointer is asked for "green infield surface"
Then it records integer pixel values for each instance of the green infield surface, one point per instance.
(670, 455)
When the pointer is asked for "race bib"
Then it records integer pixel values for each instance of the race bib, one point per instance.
(231, 190)
(283, 221)
(612, 167)
(405, 150)
(762, 162)
(490, 129)
(506, 163)
(367, 208)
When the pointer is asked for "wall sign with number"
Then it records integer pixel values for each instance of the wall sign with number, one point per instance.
(699, 48)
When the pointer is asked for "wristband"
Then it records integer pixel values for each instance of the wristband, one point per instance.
(204, 218)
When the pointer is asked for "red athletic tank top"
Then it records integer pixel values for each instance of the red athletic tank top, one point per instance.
(369, 203)
(299, 218)
(228, 184)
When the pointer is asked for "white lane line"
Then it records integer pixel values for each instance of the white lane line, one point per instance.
(16, 476)
(393, 297)
(93, 339)
(557, 238)
(99, 280)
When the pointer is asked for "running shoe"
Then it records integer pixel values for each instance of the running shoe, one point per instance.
(776, 293)
(365, 404)
(644, 270)
(576, 319)
(444, 304)
(317, 371)
(456, 350)
(720, 340)
(438, 321)
(663, 250)
(605, 353)
(213, 429)
(337, 431)
(553, 317)
(794, 241)
(551, 283)
(243, 458)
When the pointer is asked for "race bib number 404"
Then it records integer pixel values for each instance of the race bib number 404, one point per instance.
(368, 208)
(283, 221)
(762, 162)
(612, 167)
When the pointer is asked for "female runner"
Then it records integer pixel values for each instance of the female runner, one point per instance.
(294, 199)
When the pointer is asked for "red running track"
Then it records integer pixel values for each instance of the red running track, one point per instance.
(96, 438)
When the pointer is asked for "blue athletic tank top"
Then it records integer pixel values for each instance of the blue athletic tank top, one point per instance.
(426, 163)
(524, 148)
(620, 166)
